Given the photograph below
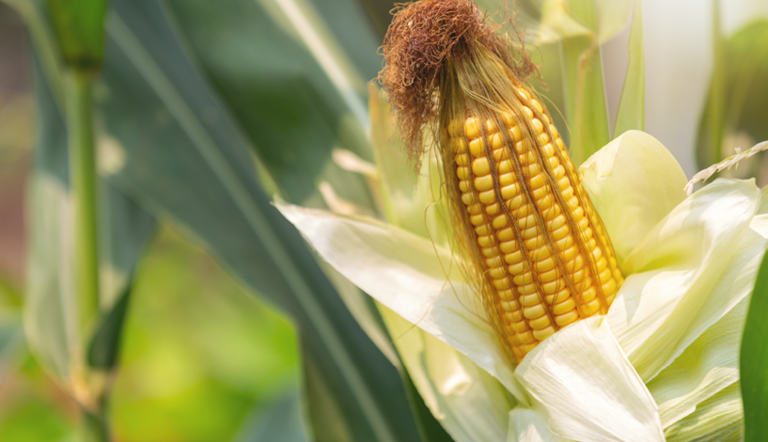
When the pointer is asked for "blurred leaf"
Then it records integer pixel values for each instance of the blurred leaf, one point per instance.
(173, 148)
(431, 430)
(738, 93)
(79, 26)
(279, 420)
(355, 31)
(10, 333)
(582, 69)
(50, 314)
(288, 85)
(103, 350)
(378, 11)
(249, 89)
(754, 359)
(365, 312)
(631, 113)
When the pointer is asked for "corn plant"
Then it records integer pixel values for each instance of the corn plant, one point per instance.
(253, 126)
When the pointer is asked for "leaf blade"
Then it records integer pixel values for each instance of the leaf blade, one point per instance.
(754, 355)
(185, 158)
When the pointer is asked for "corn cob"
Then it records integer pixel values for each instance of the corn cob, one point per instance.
(539, 255)
(525, 190)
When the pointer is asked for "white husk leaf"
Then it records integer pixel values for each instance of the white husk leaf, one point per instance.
(633, 182)
(668, 299)
(409, 275)
(584, 387)
(526, 425)
(469, 403)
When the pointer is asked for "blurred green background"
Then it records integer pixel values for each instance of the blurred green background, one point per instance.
(201, 357)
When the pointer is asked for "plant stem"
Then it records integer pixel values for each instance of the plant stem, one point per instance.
(82, 174)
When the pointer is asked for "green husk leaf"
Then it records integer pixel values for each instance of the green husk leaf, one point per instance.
(550, 21)
(294, 94)
(278, 420)
(586, 110)
(631, 113)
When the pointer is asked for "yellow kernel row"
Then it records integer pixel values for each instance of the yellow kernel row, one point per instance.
(519, 189)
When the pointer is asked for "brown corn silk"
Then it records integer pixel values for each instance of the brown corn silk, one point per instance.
(539, 255)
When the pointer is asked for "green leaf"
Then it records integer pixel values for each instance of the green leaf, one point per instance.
(300, 71)
(734, 115)
(50, 314)
(289, 86)
(585, 103)
(430, 428)
(278, 420)
(631, 113)
(379, 14)
(346, 22)
(79, 26)
(174, 148)
(104, 347)
(707, 367)
(754, 358)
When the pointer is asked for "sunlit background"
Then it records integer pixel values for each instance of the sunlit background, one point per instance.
(202, 356)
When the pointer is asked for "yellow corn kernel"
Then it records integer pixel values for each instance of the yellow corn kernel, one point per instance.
(530, 194)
